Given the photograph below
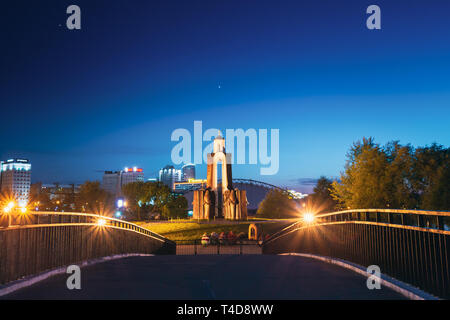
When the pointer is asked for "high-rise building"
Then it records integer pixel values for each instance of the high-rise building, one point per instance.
(113, 181)
(169, 175)
(16, 179)
(132, 175)
(188, 172)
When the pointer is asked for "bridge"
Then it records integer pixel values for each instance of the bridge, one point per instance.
(324, 258)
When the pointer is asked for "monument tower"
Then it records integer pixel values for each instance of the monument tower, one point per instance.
(219, 200)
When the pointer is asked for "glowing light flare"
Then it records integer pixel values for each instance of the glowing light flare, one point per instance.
(101, 222)
(308, 217)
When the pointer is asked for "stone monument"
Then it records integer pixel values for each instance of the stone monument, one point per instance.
(219, 200)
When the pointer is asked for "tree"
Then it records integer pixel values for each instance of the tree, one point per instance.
(362, 185)
(175, 207)
(137, 194)
(399, 178)
(146, 198)
(92, 198)
(394, 176)
(322, 198)
(277, 204)
(431, 172)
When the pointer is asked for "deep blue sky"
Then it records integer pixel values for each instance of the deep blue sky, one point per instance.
(110, 94)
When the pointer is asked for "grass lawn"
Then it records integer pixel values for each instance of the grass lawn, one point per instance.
(195, 230)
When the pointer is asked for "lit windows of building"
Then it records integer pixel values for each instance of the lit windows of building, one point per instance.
(16, 179)
(188, 172)
(113, 181)
(131, 175)
(169, 175)
(191, 184)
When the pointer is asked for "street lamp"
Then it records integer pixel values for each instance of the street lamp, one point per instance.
(7, 210)
(308, 217)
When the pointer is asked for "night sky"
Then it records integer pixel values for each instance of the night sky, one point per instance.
(76, 102)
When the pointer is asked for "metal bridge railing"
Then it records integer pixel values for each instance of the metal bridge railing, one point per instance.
(37, 241)
(410, 245)
(43, 217)
(195, 247)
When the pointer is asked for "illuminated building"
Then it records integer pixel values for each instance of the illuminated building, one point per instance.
(191, 184)
(113, 181)
(169, 175)
(16, 179)
(188, 172)
(63, 195)
(131, 175)
(297, 195)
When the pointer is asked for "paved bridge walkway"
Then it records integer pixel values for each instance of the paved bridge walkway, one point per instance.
(210, 277)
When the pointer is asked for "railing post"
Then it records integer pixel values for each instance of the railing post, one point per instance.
(402, 219)
(195, 247)
(439, 223)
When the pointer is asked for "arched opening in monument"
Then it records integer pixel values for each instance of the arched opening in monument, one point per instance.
(220, 199)
(219, 192)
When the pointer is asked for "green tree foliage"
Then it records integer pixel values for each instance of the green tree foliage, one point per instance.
(145, 198)
(92, 198)
(176, 207)
(322, 198)
(277, 204)
(394, 176)
(432, 177)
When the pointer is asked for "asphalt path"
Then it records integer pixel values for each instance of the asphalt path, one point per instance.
(221, 277)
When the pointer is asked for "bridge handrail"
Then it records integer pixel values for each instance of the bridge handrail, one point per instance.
(345, 216)
(407, 211)
(109, 222)
(408, 245)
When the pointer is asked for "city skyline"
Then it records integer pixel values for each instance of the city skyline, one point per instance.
(110, 94)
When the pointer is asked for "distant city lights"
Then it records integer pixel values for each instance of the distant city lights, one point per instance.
(134, 169)
(297, 195)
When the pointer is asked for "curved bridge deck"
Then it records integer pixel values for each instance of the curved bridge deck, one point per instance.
(210, 277)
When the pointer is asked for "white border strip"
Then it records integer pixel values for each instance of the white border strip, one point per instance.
(404, 289)
(29, 281)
